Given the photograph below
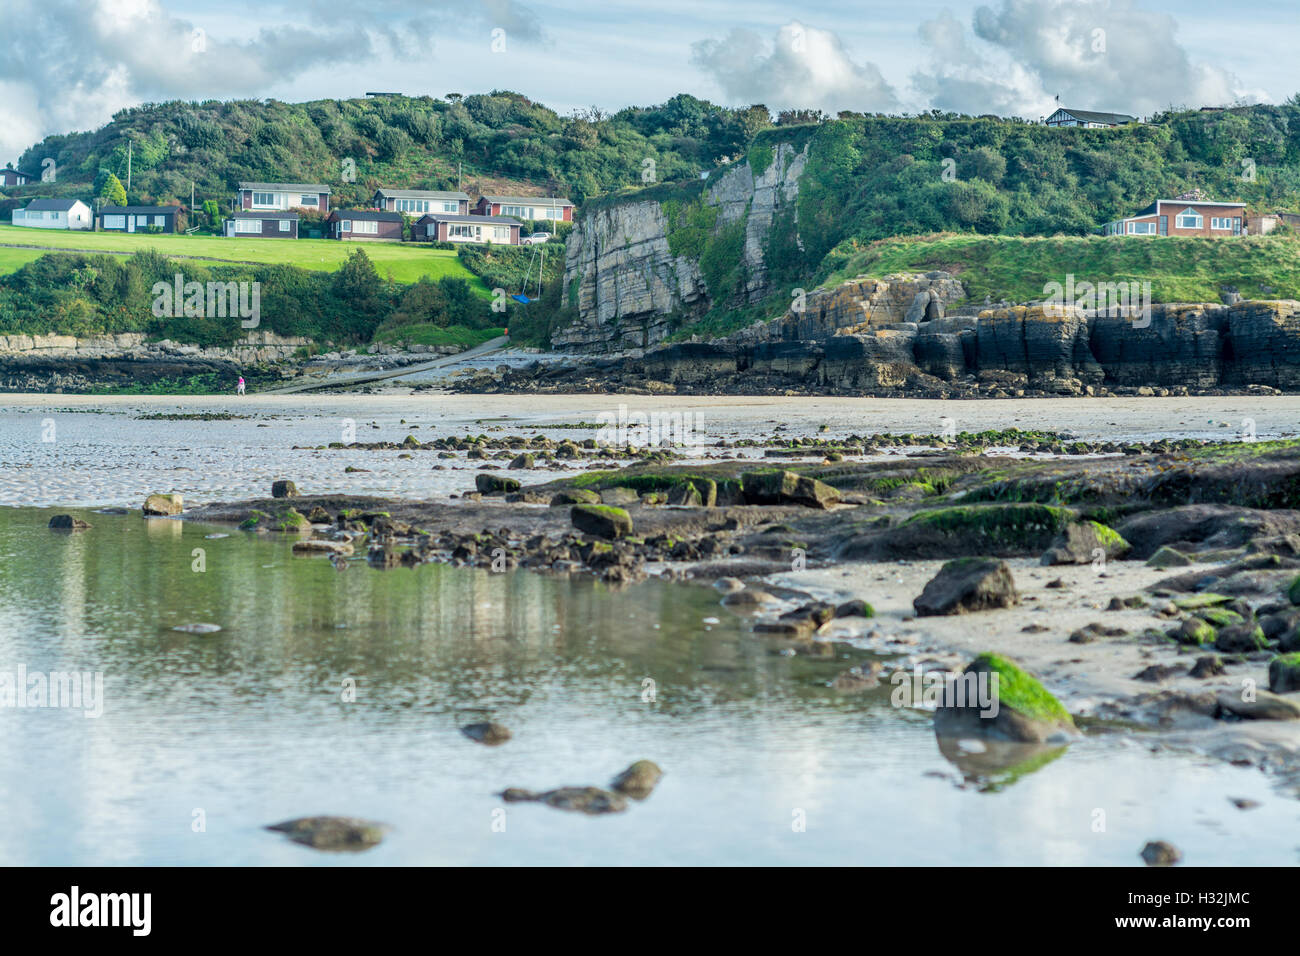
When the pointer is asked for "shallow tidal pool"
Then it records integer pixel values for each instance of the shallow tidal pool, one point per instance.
(205, 738)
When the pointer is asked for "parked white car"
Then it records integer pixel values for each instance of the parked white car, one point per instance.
(535, 238)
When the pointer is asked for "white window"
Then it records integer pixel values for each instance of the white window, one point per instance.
(551, 214)
(451, 206)
(347, 225)
(1224, 223)
(523, 212)
(115, 222)
(159, 220)
(248, 225)
(284, 225)
(365, 227)
(461, 232)
(1141, 228)
(1189, 218)
(307, 200)
(264, 199)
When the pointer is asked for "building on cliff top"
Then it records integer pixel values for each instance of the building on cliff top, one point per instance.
(1088, 118)
(1185, 215)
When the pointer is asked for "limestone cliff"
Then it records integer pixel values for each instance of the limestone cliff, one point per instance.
(627, 284)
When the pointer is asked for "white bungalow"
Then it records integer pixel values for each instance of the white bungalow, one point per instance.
(54, 214)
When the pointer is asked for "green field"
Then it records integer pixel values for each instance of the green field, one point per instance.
(1017, 268)
(402, 262)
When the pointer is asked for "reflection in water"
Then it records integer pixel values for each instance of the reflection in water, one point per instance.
(343, 692)
(992, 765)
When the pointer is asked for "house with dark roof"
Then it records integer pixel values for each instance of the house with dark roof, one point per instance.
(445, 227)
(1187, 214)
(12, 177)
(525, 207)
(282, 197)
(55, 214)
(263, 225)
(1088, 118)
(364, 224)
(141, 219)
(417, 202)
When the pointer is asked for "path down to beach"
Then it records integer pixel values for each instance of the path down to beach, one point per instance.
(361, 378)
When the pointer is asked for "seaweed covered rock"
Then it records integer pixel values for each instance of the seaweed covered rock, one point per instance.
(1284, 673)
(998, 530)
(786, 488)
(1084, 542)
(994, 698)
(968, 584)
(604, 521)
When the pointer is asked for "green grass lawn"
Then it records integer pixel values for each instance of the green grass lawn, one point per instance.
(1017, 268)
(11, 260)
(427, 334)
(403, 262)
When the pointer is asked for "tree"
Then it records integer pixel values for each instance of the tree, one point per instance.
(113, 192)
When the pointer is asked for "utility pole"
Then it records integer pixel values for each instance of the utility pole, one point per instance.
(191, 195)
(128, 169)
(458, 168)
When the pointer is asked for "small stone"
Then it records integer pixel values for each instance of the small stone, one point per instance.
(1160, 853)
(488, 732)
(638, 780)
(333, 833)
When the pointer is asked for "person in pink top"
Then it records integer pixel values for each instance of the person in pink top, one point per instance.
(239, 389)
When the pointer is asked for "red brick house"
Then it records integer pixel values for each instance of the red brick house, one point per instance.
(445, 227)
(416, 202)
(262, 225)
(525, 207)
(282, 197)
(1185, 215)
(364, 224)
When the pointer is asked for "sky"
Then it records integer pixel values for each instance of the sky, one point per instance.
(68, 65)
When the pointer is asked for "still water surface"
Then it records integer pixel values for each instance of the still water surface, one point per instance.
(247, 727)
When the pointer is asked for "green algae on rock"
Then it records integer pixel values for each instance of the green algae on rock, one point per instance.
(1011, 704)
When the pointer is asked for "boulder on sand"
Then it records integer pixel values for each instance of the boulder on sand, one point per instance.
(968, 584)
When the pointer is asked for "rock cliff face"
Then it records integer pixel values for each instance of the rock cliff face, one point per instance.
(627, 285)
(892, 337)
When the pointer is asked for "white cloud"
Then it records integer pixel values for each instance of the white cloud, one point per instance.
(803, 67)
(1095, 54)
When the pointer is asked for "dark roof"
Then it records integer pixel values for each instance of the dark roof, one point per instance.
(481, 220)
(1089, 116)
(56, 205)
(140, 210)
(366, 215)
(288, 187)
(529, 200)
(419, 194)
(245, 214)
